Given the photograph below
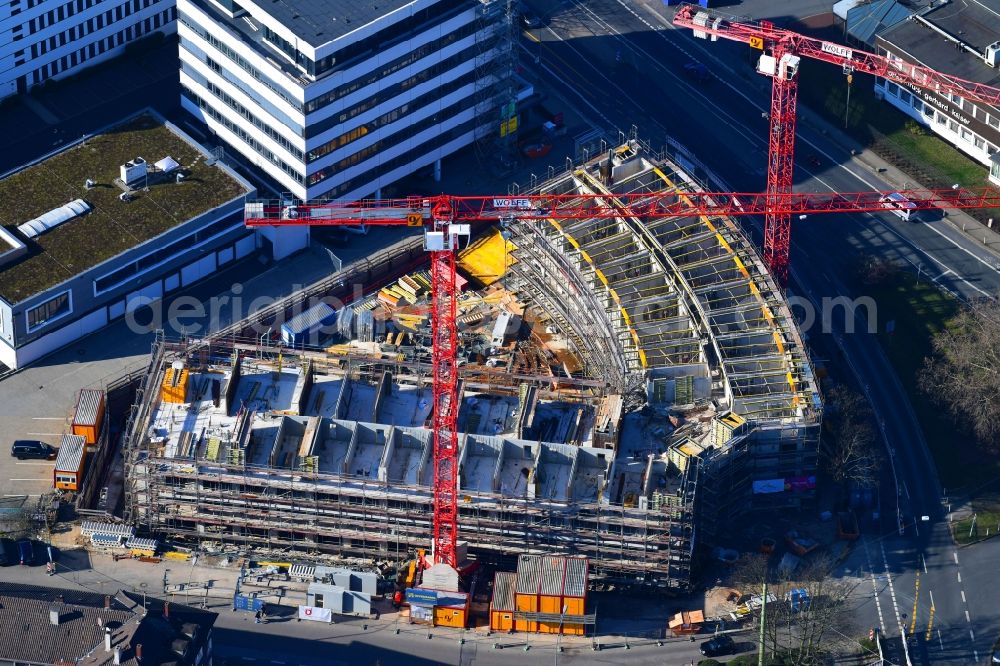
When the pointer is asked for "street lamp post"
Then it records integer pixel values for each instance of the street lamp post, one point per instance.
(562, 616)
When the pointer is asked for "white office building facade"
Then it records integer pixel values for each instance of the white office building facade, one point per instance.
(49, 39)
(337, 99)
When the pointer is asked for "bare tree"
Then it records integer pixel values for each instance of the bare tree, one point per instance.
(803, 635)
(963, 375)
(850, 447)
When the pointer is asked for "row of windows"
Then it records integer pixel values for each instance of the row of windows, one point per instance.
(96, 23)
(147, 261)
(388, 93)
(391, 140)
(943, 119)
(63, 12)
(400, 160)
(391, 116)
(992, 119)
(245, 84)
(71, 60)
(241, 61)
(261, 150)
(229, 101)
(377, 75)
(383, 39)
(50, 310)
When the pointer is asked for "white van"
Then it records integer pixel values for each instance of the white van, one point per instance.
(901, 207)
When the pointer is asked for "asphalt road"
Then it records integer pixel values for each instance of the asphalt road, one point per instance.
(623, 65)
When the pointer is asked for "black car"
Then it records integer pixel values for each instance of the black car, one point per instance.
(26, 448)
(717, 646)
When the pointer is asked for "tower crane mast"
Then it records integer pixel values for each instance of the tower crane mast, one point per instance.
(782, 51)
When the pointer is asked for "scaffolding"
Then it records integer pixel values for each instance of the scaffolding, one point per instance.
(311, 454)
(496, 85)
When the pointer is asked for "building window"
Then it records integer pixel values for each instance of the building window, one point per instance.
(941, 119)
(892, 88)
(966, 135)
(953, 126)
(50, 310)
(956, 100)
(993, 120)
(978, 142)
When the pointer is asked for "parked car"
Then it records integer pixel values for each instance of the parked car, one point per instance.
(717, 646)
(27, 448)
(8, 552)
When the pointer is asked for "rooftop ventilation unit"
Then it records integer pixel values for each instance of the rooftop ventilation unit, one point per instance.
(133, 171)
(992, 54)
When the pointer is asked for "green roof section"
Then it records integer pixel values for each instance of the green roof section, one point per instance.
(113, 226)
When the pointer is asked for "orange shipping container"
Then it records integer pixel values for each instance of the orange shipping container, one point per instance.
(446, 616)
(89, 415)
(526, 603)
(501, 620)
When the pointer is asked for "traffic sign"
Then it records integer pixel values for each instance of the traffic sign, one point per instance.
(757, 43)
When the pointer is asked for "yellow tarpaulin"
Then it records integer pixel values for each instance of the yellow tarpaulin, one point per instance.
(487, 259)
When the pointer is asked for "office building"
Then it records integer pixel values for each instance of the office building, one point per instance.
(962, 43)
(338, 99)
(106, 225)
(48, 39)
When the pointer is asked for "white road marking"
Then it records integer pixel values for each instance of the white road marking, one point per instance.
(959, 576)
(34, 463)
(892, 590)
(48, 418)
(972, 635)
(967, 618)
(955, 555)
(941, 642)
(35, 479)
(878, 603)
(923, 560)
(931, 593)
(963, 597)
(942, 275)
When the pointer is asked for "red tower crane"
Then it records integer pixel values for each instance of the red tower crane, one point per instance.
(446, 219)
(782, 50)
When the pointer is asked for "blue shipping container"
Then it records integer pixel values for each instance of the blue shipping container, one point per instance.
(296, 331)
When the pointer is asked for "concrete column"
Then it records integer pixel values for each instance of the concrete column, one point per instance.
(437, 171)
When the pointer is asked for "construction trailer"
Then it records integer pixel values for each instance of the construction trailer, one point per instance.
(89, 415)
(69, 469)
(691, 402)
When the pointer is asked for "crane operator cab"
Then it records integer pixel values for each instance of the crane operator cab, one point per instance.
(901, 207)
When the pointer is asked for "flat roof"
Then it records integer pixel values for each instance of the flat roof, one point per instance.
(973, 22)
(320, 21)
(112, 227)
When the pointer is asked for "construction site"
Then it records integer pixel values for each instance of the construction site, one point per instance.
(627, 388)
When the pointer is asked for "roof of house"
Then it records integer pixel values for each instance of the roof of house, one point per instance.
(70, 453)
(974, 23)
(864, 21)
(27, 633)
(320, 21)
(112, 226)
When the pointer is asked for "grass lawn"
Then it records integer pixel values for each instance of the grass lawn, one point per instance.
(112, 227)
(986, 524)
(919, 310)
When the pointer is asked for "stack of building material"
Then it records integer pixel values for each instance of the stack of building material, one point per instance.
(174, 387)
